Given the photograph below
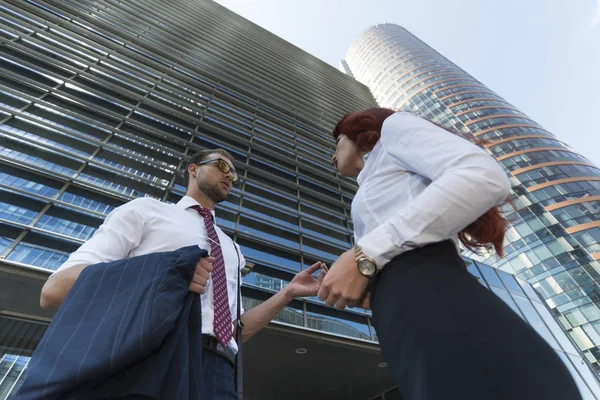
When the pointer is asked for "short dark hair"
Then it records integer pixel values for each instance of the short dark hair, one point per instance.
(201, 156)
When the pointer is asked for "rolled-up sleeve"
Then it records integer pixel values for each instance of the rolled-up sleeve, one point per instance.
(465, 183)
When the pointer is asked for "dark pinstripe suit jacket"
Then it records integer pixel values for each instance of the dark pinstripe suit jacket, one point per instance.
(127, 329)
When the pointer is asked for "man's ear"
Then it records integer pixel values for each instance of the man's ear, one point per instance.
(192, 170)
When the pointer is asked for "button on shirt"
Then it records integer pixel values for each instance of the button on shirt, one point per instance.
(421, 184)
(145, 226)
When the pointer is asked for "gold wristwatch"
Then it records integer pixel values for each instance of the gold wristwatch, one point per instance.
(366, 265)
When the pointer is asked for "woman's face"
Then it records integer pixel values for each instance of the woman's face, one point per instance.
(347, 159)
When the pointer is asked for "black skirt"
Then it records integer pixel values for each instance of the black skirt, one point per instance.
(445, 336)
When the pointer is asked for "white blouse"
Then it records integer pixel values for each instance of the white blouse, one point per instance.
(421, 184)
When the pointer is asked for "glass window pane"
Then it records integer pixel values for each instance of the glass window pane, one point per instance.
(490, 275)
(66, 227)
(4, 243)
(510, 282)
(13, 181)
(581, 338)
(267, 255)
(269, 232)
(504, 296)
(80, 199)
(290, 315)
(13, 376)
(321, 250)
(269, 213)
(264, 281)
(558, 332)
(586, 373)
(15, 213)
(583, 388)
(535, 320)
(287, 315)
(591, 312)
(528, 289)
(338, 326)
(472, 268)
(38, 256)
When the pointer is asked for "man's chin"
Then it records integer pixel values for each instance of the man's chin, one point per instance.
(216, 193)
(221, 196)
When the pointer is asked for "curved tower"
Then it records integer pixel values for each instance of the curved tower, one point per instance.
(554, 238)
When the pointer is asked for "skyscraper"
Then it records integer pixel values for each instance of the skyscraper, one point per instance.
(104, 101)
(554, 238)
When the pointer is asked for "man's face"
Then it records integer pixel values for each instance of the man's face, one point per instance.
(210, 180)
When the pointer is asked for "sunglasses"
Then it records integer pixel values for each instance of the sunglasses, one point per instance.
(224, 167)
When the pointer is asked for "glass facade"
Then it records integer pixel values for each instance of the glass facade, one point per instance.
(554, 238)
(102, 102)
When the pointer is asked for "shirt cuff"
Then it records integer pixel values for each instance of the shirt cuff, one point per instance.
(380, 245)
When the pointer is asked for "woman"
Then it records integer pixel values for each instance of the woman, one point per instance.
(422, 190)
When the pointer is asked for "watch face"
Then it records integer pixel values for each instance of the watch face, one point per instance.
(366, 267)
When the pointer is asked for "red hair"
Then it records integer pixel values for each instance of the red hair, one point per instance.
(364, 128)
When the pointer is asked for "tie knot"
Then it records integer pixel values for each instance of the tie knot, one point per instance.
(204, 212)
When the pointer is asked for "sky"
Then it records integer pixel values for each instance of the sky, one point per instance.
(543, 56)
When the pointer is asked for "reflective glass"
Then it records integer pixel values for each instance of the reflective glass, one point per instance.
(14, 213)
(38, 162)
(81, 201)
(38, 256)
(12, 369)
(535, 320)
(581, 385)
(490, 275)
(586, 373)
(528, 289)
(475, 272)
(269, 232)
(558, 332)
(4, 243)
(27, 185)
(264, 281)
(338, 326)
(260, 253)
(66, 227)
(510, 282)
(503, 294)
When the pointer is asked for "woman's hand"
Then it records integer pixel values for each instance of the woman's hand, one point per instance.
(344, 284)
(364, 302)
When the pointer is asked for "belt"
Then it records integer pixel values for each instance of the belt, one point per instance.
(212, 344)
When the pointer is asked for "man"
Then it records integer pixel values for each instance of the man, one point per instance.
(145, 226)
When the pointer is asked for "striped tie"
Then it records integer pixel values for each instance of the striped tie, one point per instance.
(222, 321)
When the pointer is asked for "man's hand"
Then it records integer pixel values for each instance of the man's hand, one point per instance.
(304, 283)
(344, 284)
(202, 274)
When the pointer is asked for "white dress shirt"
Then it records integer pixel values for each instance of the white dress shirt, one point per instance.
(145, 226)
(421, 184)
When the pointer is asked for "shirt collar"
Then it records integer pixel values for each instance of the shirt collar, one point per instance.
(361, 177)
(187, 202)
